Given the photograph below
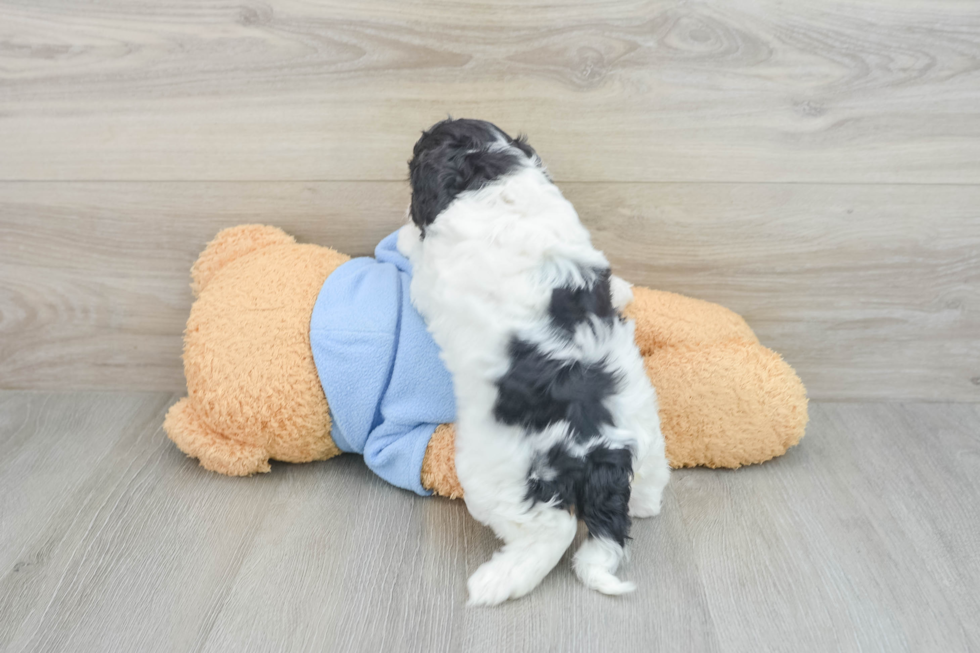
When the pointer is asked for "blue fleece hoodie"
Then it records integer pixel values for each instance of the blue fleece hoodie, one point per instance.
(387, 388)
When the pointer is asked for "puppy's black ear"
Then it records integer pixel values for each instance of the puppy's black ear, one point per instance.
(430, 191)
(521, 143)
(440, 174)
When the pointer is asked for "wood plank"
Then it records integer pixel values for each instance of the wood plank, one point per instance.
(81, 432)
(68, 461)
(97, 276)
(863, 537)
(166, 556)
(609, 91)
(849, 542)
(869, 291)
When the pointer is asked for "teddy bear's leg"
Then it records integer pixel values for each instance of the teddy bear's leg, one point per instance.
(215, 451)
(668, 319)
(230, 244)
(726, 404)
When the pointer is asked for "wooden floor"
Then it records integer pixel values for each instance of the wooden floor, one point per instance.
(865, 537)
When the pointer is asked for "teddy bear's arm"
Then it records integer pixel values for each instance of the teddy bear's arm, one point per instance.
(439, 464)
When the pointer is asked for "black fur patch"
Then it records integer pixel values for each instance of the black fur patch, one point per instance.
(455, 156)
(597, 487)
(556, 474)
(537, 391)
(571, 306)
(604, 500)
(521, 143)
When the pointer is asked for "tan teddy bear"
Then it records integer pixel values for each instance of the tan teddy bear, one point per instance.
(254, 393)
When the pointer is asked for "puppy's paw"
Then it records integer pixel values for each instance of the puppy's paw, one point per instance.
(622, 292)
(645, 502)
(409, 238)
(496, 581)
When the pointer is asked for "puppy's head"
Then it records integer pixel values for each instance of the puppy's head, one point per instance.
(455, 156)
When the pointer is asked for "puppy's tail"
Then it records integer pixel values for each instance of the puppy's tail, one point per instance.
(604, 506)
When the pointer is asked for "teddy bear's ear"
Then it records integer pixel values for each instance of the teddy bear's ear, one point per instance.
(231, 244)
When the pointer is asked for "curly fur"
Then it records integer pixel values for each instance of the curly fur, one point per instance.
(557, 419)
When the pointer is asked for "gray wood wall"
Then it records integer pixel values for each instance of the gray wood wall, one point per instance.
(814, 166)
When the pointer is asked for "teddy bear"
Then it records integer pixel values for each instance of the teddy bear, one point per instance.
(297, 353)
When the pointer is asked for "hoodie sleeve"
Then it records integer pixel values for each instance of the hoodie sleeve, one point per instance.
(419, 397)
(395, 453)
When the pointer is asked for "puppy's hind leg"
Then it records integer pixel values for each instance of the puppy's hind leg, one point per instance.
(533, 546)
(649, 480)
(604, 500)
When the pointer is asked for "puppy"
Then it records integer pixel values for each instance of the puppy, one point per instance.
(557, 419)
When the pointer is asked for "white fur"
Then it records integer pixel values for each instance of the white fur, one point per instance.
(483, 274)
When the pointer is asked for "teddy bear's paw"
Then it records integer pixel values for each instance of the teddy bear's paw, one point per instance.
(216, 452)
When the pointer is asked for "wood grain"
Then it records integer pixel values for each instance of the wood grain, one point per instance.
(97, 276)
(845, 534)
(869, 291)
(753, 91)
(862, 538)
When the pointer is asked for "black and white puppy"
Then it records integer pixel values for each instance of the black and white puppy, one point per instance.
(557, 419)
